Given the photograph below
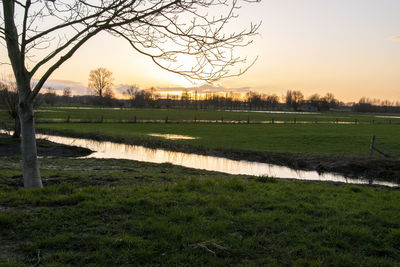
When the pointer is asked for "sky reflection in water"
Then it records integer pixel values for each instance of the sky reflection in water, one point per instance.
(210, 163)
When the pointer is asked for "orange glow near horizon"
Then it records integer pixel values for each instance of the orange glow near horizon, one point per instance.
(351, 49)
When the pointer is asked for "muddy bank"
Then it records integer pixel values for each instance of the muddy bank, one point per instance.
(376, 168)
(11, 146)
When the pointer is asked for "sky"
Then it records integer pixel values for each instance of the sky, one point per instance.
(350, 48)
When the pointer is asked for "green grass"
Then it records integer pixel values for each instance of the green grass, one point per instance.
(93, 114)
(96, 212)
(329, 139)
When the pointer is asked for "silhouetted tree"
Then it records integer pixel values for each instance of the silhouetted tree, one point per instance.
(168, 31)
(9, 100)
(272, 101)
(50, 96)
(101, 81)
(294, 98)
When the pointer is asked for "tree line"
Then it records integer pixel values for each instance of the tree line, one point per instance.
(151, 98)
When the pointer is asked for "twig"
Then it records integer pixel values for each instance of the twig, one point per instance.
(203, 245)
(38, 258)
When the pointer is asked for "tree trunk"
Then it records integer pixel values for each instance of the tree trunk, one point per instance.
(30, 164)
(17, 127)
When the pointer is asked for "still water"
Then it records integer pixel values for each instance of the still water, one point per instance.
(122, 151)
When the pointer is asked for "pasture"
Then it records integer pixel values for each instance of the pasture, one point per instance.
(123, 213)
(327, 139)
(96, 114)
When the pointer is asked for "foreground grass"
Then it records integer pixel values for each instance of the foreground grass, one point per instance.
(115, 213)
(325, 139)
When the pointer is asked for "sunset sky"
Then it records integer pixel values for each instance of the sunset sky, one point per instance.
(348, 47)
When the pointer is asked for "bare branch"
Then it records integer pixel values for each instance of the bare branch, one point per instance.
(195, 46)
(61, 61)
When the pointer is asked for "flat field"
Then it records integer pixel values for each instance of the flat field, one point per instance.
(93, 114)
(96, 212)
(325, 139)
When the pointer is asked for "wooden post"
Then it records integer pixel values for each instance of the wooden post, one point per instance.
(371, 148)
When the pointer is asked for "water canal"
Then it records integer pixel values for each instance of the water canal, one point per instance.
(104, 149)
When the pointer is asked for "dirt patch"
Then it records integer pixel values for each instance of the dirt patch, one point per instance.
(11, 146)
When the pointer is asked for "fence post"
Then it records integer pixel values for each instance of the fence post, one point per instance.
(371, 148)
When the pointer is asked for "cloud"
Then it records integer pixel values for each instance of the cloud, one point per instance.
(76, 88)
(395, 38)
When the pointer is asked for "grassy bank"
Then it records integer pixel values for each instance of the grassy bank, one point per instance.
(119, 213)
(341, 149)
(325, 139)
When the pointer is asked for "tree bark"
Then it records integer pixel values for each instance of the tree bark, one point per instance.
(30, 164)
(17, 127)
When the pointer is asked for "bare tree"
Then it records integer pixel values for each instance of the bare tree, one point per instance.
(9, 99)
(41, 35)
(141, 98)
(50, 96)
(101, 81)
(294, 99)
(67, 92)
(131, 92)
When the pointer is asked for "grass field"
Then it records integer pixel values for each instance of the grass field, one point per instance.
(331, 139)
(121, 213)
(75, 114)
(95, 212)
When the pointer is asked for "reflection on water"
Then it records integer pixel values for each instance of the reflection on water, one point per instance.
(173, 136)
(210, 163)
(273, 111)
(388, 117)
(271, 121)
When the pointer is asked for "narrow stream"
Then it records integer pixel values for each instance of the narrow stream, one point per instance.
(139, 153)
